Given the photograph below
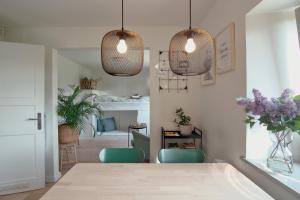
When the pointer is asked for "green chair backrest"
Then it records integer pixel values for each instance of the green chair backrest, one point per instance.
(121, 155)
(181, 156)
(142, 142)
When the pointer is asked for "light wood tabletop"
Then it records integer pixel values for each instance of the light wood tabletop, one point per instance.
(92, 181)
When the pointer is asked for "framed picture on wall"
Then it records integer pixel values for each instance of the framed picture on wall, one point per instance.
(209, 78)
(225, 50)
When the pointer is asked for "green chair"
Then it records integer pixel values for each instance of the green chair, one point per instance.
(181, 156)
(121, 155)
(142, 142)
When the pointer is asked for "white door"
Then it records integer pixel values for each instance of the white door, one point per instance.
(22, 136)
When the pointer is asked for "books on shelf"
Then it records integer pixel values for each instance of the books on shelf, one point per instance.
(171, 134)
(173, 145)
(188, 145)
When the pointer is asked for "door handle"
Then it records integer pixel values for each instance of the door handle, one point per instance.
(38, 119)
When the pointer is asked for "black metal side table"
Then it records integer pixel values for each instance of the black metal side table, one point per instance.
(196, 134)
(136, 127)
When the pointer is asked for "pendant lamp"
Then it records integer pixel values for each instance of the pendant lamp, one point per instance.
(188, 54)
(122, 52)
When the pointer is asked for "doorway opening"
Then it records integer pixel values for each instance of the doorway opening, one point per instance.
(124, 101)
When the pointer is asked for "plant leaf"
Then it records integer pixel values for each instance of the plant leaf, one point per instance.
(297, 98)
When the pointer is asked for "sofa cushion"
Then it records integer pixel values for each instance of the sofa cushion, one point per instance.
(109, 124)
(100, 125)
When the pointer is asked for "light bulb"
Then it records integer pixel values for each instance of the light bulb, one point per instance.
(122, 47)
(190, 45)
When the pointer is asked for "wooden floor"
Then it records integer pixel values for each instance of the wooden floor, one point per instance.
(88, 152)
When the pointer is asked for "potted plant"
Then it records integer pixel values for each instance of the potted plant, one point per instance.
(74, 111)
(281, 116)
(183, 122)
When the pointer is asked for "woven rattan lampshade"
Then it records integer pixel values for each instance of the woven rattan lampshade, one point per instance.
(196, 62)
(122, 52)
(189, 51)
(129, 63)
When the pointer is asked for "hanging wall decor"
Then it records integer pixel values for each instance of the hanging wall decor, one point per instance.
(168, 81)
(122, 52)
(225, 50)
(187, 51)
(209, 77)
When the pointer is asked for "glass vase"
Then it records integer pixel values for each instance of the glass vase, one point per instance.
(280, 157)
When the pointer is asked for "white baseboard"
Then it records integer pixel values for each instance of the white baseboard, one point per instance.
(21, 185)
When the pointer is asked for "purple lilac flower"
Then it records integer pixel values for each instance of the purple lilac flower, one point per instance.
(275, 108)
(298, 106)
(244, 101)
(259, 104)
(288, 109)
(286, 95)
(272, 110)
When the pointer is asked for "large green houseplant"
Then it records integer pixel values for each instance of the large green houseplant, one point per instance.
(75, 110)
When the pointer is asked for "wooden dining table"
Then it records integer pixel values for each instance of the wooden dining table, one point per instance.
(207, 181)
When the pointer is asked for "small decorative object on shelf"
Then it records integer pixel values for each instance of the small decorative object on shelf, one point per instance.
(183, 121)
(88, 84)
(172, 134)
(168, 81)
(281, 116)
(136, 96)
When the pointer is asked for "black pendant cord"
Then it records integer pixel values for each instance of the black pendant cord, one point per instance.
(190, 15)
(122, 15)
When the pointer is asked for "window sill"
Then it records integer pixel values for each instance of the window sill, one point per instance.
(291, 182)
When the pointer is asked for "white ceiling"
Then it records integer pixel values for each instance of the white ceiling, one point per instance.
(90, 57)
(269, 6)
(82, 13)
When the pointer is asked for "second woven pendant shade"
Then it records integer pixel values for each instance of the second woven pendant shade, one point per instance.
(190, 51)
(190, 58)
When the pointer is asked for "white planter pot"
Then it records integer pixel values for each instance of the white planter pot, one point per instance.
(186, 130)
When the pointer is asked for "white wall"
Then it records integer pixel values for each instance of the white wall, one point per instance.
(70, 72)
(298, 20)
(221, 117)
(2, 33)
